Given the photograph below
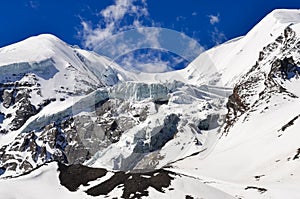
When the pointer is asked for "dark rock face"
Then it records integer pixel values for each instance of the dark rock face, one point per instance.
(297, 156)
(189, 197)
(285, 68)
(247, 93)
(290, 123)
(75, 175)
(71, 140)
(111, 118)
(56, 141)
(31, 148)
(24, 112)
(259, 189)
(166, 133)
(160, 138)
(135, 185)
(209, 123)
(7, 98)
(16, 94)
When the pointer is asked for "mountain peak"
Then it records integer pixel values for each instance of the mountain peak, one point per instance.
(47, 37)
(286, 15)
(32, 49)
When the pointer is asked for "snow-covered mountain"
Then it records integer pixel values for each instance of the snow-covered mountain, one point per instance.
(76, 125)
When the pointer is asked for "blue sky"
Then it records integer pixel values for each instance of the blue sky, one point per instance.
(210, 22)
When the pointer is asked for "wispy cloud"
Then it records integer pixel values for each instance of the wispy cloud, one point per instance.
(33, 4)
(112, 21)
(125, 27)
(180, 18)
(150, 62)
(213, 19)
(194, 13)
(218, 36)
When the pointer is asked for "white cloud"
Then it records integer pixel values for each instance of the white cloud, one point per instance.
(213, 19)
(111, 19)
(194, 14)
(155, 66)
(218, 36)
(180, 18)
(150, 62)
(33, 4)
(124, 27)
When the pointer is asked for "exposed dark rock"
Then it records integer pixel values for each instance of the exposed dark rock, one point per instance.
(297, 156)
(27, 140)
(25, 110)
(159, 139)
(135, 185)
(161, 102)
(235, 106)
(260, 190)
(113, 126)
(246, 96)
(209, 123)
(3, 131)
(75, 175)
(7, 98)
(2, 170)
(12, 166)
(2, 117)
(31, 148)
(189, 197)
(285, 68)
(257, 178)
(290, 123)
(112, 120)
(166, 133)
(26, 166)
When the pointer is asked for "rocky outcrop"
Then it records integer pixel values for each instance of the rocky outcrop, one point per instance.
(25, 109)
(7, 98)
(210, 122)
(135, 185)
(159, 137)
(263, 80)
(16, 99)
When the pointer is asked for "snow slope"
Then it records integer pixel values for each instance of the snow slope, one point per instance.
(44, 183)
(54, 72)
(258, 157)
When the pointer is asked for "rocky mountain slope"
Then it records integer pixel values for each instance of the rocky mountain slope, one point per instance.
(76, 125)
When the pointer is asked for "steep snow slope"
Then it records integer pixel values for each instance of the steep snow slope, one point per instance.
(44, 183)
(52, 59)
(232, 59)
(257, 155)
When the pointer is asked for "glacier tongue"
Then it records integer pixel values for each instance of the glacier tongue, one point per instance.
(139, 91)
